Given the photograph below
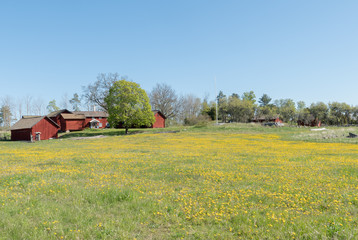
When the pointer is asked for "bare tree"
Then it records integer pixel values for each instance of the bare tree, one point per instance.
(28, 100)
(65, 101)
(94, 94)
(164, 98)
(191, 106)
(19, 106)
(38, 107)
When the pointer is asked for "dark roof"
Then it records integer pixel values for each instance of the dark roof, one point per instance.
(159, 112)
(30, 116)
(28, 122)
(72, 116)
(92, 113)
(56, 113)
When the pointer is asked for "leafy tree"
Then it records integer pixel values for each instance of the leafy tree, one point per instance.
(319, 111)
(164, 98)
(240, 110)
(249, 96)
(235, 95)
(6, 111)
(75, 102)
(286, 109)
(5, 116)
(222, 102)
(128, 105)
(209, 109)
(264, 100)
(340, 113)
(52, 107)
(301, 105)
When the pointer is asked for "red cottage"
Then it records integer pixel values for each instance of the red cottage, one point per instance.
(72, 122)
(32, 128)
(159, 119)
(94, 119)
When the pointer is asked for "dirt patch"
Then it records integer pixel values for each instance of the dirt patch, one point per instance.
(80, 138)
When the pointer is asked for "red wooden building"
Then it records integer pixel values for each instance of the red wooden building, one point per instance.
(94, 119)
(159, 119)
(34, 128)
(72, 122)
(55, 116)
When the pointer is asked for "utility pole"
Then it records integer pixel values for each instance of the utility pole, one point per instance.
(216, 103)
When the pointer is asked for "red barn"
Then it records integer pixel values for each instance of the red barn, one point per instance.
(159, 119)
(72, 122)
(94, 119)
(32, 128)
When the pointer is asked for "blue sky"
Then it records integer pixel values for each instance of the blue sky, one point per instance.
(304, 50)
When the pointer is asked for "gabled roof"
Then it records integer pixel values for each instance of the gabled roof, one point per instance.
(92, 113)
(73, 116)
(28, 122)
(56, 113)
(159, 112)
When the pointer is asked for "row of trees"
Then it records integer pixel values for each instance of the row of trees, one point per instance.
(243, 109)
(187, 109)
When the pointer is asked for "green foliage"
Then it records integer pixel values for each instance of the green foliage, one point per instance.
(209, 109)
(5, 116)
(75, 102)
(286, 109)
(249, 96)
(264, 100)
(128, 105)
(52, 107)
(319, 111)
(241, 110)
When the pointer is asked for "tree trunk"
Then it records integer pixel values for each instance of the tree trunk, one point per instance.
(126, 130)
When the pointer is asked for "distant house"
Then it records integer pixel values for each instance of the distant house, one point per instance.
(30, 128)
(159, 119)
(94, 119)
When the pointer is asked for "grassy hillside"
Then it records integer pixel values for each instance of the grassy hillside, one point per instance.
(219, 182)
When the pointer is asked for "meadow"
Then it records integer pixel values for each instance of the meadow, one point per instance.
(218, 182)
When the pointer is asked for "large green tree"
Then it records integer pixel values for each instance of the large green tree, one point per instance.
(128, 105)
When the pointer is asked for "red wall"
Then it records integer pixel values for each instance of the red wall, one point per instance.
(47, 129)
(73, 124)
(103, 121)
(21, 135)
(159, 121)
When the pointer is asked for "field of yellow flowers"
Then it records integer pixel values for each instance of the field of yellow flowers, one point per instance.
(185, 185)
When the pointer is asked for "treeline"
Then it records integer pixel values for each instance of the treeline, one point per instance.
(187, 109)
(235, 108)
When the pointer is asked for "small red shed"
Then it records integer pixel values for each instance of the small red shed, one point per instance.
(159, 119)
(32, 128)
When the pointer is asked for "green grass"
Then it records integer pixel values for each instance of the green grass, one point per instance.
(232, 181)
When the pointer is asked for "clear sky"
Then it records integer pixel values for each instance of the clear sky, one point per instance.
(304, 50)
